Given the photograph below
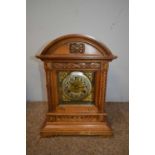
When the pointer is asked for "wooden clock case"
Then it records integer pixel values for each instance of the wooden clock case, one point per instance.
(76, 53)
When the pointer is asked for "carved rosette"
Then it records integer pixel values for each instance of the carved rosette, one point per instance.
(83, 65)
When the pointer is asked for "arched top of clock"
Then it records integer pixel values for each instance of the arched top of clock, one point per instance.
(76, 46)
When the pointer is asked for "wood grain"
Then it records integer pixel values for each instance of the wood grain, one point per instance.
(76, 53)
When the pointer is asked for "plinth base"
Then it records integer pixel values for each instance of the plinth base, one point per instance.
(76, 128)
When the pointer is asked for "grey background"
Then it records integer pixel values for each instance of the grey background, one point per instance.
(106, 20)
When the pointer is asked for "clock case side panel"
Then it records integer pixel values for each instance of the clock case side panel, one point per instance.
(48, 87)
(51, 88)
(102, 86)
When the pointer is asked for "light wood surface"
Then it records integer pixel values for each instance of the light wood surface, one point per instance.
(76, 119)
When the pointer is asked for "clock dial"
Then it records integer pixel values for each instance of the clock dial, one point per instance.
(76, 86)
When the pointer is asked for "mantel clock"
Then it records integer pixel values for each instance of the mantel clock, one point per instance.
(76, 73)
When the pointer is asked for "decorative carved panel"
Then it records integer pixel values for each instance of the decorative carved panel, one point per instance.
(77, 47)
(78, 118)
(82, 65)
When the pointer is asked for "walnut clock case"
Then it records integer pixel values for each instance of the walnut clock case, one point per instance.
(76, 73)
